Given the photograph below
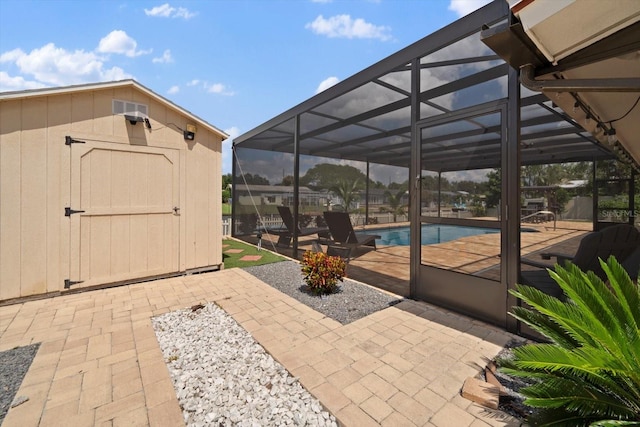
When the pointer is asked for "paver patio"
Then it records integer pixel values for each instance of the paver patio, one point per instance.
(100, 363)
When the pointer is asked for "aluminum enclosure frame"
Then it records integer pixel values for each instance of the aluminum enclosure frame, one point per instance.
(320, 127)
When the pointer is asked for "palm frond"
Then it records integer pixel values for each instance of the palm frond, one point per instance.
(596, 302)
(589, 373)
(625, 290)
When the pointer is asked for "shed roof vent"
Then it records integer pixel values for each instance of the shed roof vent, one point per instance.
(130, 108)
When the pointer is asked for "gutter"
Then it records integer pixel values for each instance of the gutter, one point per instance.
(528, 80)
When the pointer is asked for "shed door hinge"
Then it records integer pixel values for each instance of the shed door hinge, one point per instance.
(68, 211)
(68, 141)
(69, 283)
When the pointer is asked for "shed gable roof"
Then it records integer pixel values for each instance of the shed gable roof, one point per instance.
(5, 96)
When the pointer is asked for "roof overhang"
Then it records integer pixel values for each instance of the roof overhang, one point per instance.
(585, 56)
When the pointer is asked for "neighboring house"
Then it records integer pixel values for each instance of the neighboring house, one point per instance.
(104, 183)
(277, 195)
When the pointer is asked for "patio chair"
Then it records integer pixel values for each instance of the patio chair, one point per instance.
(287, 234)
(343, 234)
(621, 241)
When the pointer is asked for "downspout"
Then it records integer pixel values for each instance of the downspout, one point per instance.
(528, 80)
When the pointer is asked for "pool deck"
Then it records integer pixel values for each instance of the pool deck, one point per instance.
(388, 266)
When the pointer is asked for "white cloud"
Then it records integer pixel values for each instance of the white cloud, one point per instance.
(327, 83)
(173, 90)
(193, 82)
(165, 58)
(51, 65)
(344, 26)
(321, 1)
(465, 7)
(218, 88)
(8, 83)
(167, 11)
(117, 41)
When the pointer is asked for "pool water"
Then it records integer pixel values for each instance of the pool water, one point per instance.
(431, 234)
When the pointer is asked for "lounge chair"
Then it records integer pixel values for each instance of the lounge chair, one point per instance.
(287, 234)
(621, 241)
(343, 234)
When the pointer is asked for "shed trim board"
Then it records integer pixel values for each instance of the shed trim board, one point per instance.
(88, 198)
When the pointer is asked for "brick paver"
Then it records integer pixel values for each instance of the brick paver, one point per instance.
(100, 364)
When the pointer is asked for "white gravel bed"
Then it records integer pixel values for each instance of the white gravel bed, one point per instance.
(223, 377)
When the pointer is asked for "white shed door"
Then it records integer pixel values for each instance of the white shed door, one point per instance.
(130, 225)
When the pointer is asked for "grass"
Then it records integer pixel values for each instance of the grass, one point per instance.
(226, 209)
(233, 260)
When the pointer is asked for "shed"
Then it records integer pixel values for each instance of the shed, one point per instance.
(104, 183)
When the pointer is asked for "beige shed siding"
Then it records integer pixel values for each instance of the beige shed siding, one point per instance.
(204, 227)
(58, 186)
(10, 219)
(33, 178)
(35, 186)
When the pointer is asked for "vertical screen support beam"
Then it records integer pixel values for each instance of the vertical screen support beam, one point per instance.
(366, 197)
(415, 173)
(632, 192)
(234, 186)
(296, 182)
(596, 190)
(510, 244)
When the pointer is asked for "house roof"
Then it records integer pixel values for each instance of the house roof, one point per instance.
(31, 93)
(367, 117)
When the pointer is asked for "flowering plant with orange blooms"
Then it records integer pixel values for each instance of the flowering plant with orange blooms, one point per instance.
(322, 272)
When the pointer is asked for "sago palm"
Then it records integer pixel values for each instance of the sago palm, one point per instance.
(589, 371)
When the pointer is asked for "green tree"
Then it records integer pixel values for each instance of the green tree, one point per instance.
(254, 179)
(287, 181)
(494, 188)
(347, 191)
(227, 179)
(226, 195)
(395, 203)
(324, 176)
(589, 371)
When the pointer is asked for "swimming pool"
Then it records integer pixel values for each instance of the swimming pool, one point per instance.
(431, 233)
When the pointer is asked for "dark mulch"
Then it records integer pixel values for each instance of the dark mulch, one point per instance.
(513, 402)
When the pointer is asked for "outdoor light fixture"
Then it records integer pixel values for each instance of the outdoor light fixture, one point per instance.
(133, 119)
(147, 123)
(189, 133)
(611, 136)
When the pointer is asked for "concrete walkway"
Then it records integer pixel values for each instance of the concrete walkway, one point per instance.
(100, 364)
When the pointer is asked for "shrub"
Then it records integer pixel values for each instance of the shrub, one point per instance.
(322, 272)
(248, 223)
(589, 371)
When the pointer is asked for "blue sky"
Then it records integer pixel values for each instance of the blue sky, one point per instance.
(234, 63)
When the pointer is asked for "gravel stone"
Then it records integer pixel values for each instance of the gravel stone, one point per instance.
(14, 365)
(223, 377)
